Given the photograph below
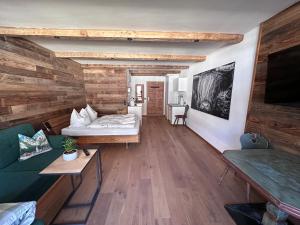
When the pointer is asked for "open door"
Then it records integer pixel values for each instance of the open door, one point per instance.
(155, 97)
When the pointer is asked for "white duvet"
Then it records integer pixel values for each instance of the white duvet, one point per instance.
(114, 121)
(22, 213)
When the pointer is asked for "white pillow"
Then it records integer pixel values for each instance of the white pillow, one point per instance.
(92, 113)
(85, 115)
(77, 120)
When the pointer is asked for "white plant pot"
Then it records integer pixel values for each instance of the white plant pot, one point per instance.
(70, 157)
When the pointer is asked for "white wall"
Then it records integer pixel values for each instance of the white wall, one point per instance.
(172, 94)
(224, 134)
(143, 80)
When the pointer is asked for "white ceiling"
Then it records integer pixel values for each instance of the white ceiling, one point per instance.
(178, 15)
(232, 16)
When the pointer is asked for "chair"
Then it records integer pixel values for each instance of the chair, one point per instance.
(253, 141)
(183, 117)
(249, 141)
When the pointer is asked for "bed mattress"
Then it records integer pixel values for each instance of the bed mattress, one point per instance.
(115, 121)
(86, 131)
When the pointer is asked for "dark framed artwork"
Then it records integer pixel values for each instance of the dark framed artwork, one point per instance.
(212, 91)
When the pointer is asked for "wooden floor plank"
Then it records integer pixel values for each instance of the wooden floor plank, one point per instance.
(170, 178)
(100, 210)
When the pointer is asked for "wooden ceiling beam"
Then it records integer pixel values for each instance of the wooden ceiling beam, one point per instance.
(128, 35)
(147, 74)
(130, 56)
(154, 71)
(131, 67)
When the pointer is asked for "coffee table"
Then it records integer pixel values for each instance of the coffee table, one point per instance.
(75, 169)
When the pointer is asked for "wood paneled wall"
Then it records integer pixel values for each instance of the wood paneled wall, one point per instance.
(106, 89)
(35, 85)
(280, 124)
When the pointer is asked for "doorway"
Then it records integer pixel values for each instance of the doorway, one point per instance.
(139, 93)
(155, 98)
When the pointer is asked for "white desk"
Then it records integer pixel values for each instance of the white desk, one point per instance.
(175, 109)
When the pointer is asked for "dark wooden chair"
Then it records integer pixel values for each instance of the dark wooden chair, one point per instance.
(183, 117)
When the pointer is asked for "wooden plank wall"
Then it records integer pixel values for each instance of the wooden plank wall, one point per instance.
(106, 89)
(280, 124)
(35, 85)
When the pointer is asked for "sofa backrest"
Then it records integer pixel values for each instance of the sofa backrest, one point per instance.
(9, 143)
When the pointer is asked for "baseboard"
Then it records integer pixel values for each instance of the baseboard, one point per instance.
(216, 151)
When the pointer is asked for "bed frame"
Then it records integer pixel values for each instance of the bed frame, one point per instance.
(54, 126)
(105, 139)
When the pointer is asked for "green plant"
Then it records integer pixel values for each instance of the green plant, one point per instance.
(69, 145)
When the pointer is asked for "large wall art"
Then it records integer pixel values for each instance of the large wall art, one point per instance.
(212, 91)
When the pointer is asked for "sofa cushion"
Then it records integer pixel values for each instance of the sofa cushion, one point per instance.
(32, 146)
(38, 222)
(23, 186)
(21, 181)
(36, 189)
(56, 141)
(36, 163)
(9, 148)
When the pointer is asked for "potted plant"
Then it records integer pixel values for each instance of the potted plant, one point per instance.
(70, 147)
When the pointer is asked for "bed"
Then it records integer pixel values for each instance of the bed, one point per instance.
(107, 129)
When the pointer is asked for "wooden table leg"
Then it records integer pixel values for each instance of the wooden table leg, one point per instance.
(223, 175)
(91, 204)
(274, 216)
(248, 192)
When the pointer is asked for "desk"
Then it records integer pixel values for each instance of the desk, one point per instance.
(273, 173)
(175, 109)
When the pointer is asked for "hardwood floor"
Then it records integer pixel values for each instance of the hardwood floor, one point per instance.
(169, 179)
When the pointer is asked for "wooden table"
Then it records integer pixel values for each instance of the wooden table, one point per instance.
(75, 168)
(273, 173)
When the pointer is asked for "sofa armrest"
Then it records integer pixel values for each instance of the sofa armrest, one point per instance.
(56, 141)
(38, 222)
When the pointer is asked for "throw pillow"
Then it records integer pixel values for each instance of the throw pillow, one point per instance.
(92, 113)
(36, 145)
(85, 115)
(77, 120)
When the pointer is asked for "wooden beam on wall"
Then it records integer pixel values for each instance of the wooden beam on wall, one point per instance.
(131, 67)
(129, 35)
(130, 56)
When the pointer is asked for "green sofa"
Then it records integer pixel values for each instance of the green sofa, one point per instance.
(20, 180)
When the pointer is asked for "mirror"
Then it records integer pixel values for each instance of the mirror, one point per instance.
(139, 93)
